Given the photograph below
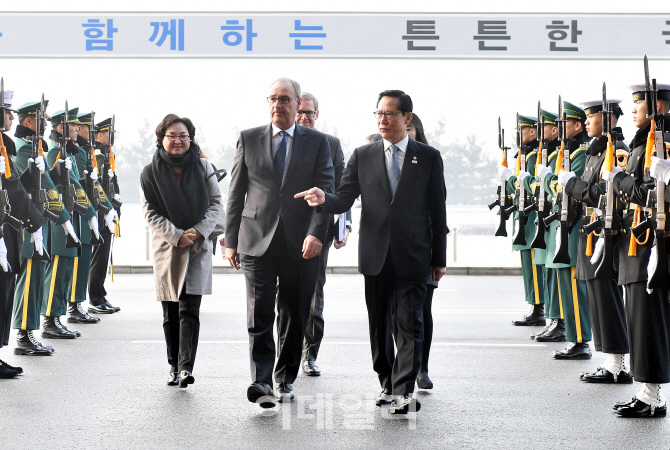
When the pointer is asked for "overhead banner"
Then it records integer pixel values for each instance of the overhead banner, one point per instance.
(334, 35)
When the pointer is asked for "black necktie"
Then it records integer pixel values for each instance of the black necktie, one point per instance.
(280, 157)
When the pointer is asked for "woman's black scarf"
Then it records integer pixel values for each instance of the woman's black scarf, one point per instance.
(184, 203)
(640, 137)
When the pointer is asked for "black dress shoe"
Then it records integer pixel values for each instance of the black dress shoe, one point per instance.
(535, 317)
(173, 379)
(261, 393)
(604, 376)
(310, 369)
(109, 306)
(284, 392)
(99, 309)
(75, 314)
(19, 370)
(6, 372)
(52, 331)
(403, 404)
(618, 405)
(556, 333)
(543, 330)
(574, 350)
(385, 397)
(642, 410)
(185, 378)
(423, 382)
(26, 344)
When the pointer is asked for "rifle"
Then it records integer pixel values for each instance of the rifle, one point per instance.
(655, 206)
(541, 205)
(68, 193)
(5, 207)
(92, 191)
(502, 200)
(109, 163)
(520, 196)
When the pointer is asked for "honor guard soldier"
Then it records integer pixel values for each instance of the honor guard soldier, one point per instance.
(533, 281)
(598, 271)
(554, 331)
(106, 216)
(98, 302)
(564, 224)
(34, 256)
(61, 276)
(647, 310)
(17, 212)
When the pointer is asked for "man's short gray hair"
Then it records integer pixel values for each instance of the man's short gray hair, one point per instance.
(308, 96)
(295, 84)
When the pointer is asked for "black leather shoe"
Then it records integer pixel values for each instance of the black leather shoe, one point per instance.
(543, 330)
(261, 393)
(535, 317)
(604, 376)
(310, 369)
(52, 331)
(556, 333)
(19, 370)
(99, 309)
(618, 405)
(385, 397)
(109, 306)
(75, 314)
(403, 404)
(574, 350)
(642, 410)
(6, 372)
(185, 378)
(173, 379)
(60, 325)
(284, 392)
(26, 344)
(423, 382)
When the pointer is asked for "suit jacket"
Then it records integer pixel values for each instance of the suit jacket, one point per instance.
(257, 198)
(412, 224)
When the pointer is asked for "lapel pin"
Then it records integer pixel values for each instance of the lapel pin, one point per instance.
(414, 160)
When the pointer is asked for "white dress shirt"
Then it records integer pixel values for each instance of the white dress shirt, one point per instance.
(276, 139)
(402, 147)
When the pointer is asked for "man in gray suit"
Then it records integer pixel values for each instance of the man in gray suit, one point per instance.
(275, 237)
(307, 116)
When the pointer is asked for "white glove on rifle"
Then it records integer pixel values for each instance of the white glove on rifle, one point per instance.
(543, 171)
(93, 225)
(117, 197)
(521, 176)
(504, 173)
(4, 263)
(564, 177)
(660, 169)
(39, 162)
(598, 250)
(68, 164)
(110, 174)
(3, 165)
(609, 176)
(38, 239)
(110, 219)
(94, 174)
(69, 229)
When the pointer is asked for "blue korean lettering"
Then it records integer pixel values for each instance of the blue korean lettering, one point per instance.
(298, 42)
(233, 37)
(174, 29)
(94, 29)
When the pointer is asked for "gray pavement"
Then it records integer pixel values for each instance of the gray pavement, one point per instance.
(494, 387)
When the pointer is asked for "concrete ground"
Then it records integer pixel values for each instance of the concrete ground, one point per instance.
(494, 387)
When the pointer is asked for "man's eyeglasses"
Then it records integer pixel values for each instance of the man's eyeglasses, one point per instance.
(181, 137)
(306, 113)
(283, 100)
(388, 114)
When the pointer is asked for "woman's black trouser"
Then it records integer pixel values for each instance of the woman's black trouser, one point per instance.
(181, 324)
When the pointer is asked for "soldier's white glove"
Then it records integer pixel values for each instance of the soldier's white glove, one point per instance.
(543, 171)
(38, 239)
(504, 173)
(110, 174)
(117, 197)
(609, 176)
(521, 176)
(598, 250)
(68, 164)
(564, 177)
(3, 165)
(39, 162)
(94, 174)
(110, 219)
(69, 229)
(660, 169)
(4, 263)
(93, 225)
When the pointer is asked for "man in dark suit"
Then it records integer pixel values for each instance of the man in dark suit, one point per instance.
(275, 237)
(401, 184)
(338, 232)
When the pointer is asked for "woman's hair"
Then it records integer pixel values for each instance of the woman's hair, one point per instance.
(420, 135)
(170, 120)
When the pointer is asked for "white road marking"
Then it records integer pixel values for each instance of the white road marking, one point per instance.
(445, 344)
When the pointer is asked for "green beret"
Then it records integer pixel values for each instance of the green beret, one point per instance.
(573, 112)
(527, 121)
(31, 108)
(549, 118)
(57, 118)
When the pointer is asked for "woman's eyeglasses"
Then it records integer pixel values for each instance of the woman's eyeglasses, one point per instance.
(181, 137)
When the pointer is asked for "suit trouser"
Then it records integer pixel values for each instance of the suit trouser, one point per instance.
(7, 285)
(98, 272)
(29, 295)
(648, 333)
(57, 286)
(552, 305)
(395, 306)
(292, 295)
(315, 322)
(608, 316)
(427, 326)
(572, 295)
(533, 284)
(82, 266)
(181, 326)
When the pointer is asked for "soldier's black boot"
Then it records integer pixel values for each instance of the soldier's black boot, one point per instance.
(574, 350)
(76, 314)
(51, 330)
(26, 344)
(6, 371)
(549, 326)
(60, 325)
(535, 317)
(555, 333)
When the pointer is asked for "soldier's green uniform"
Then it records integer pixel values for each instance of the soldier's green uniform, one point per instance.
(571, 292)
